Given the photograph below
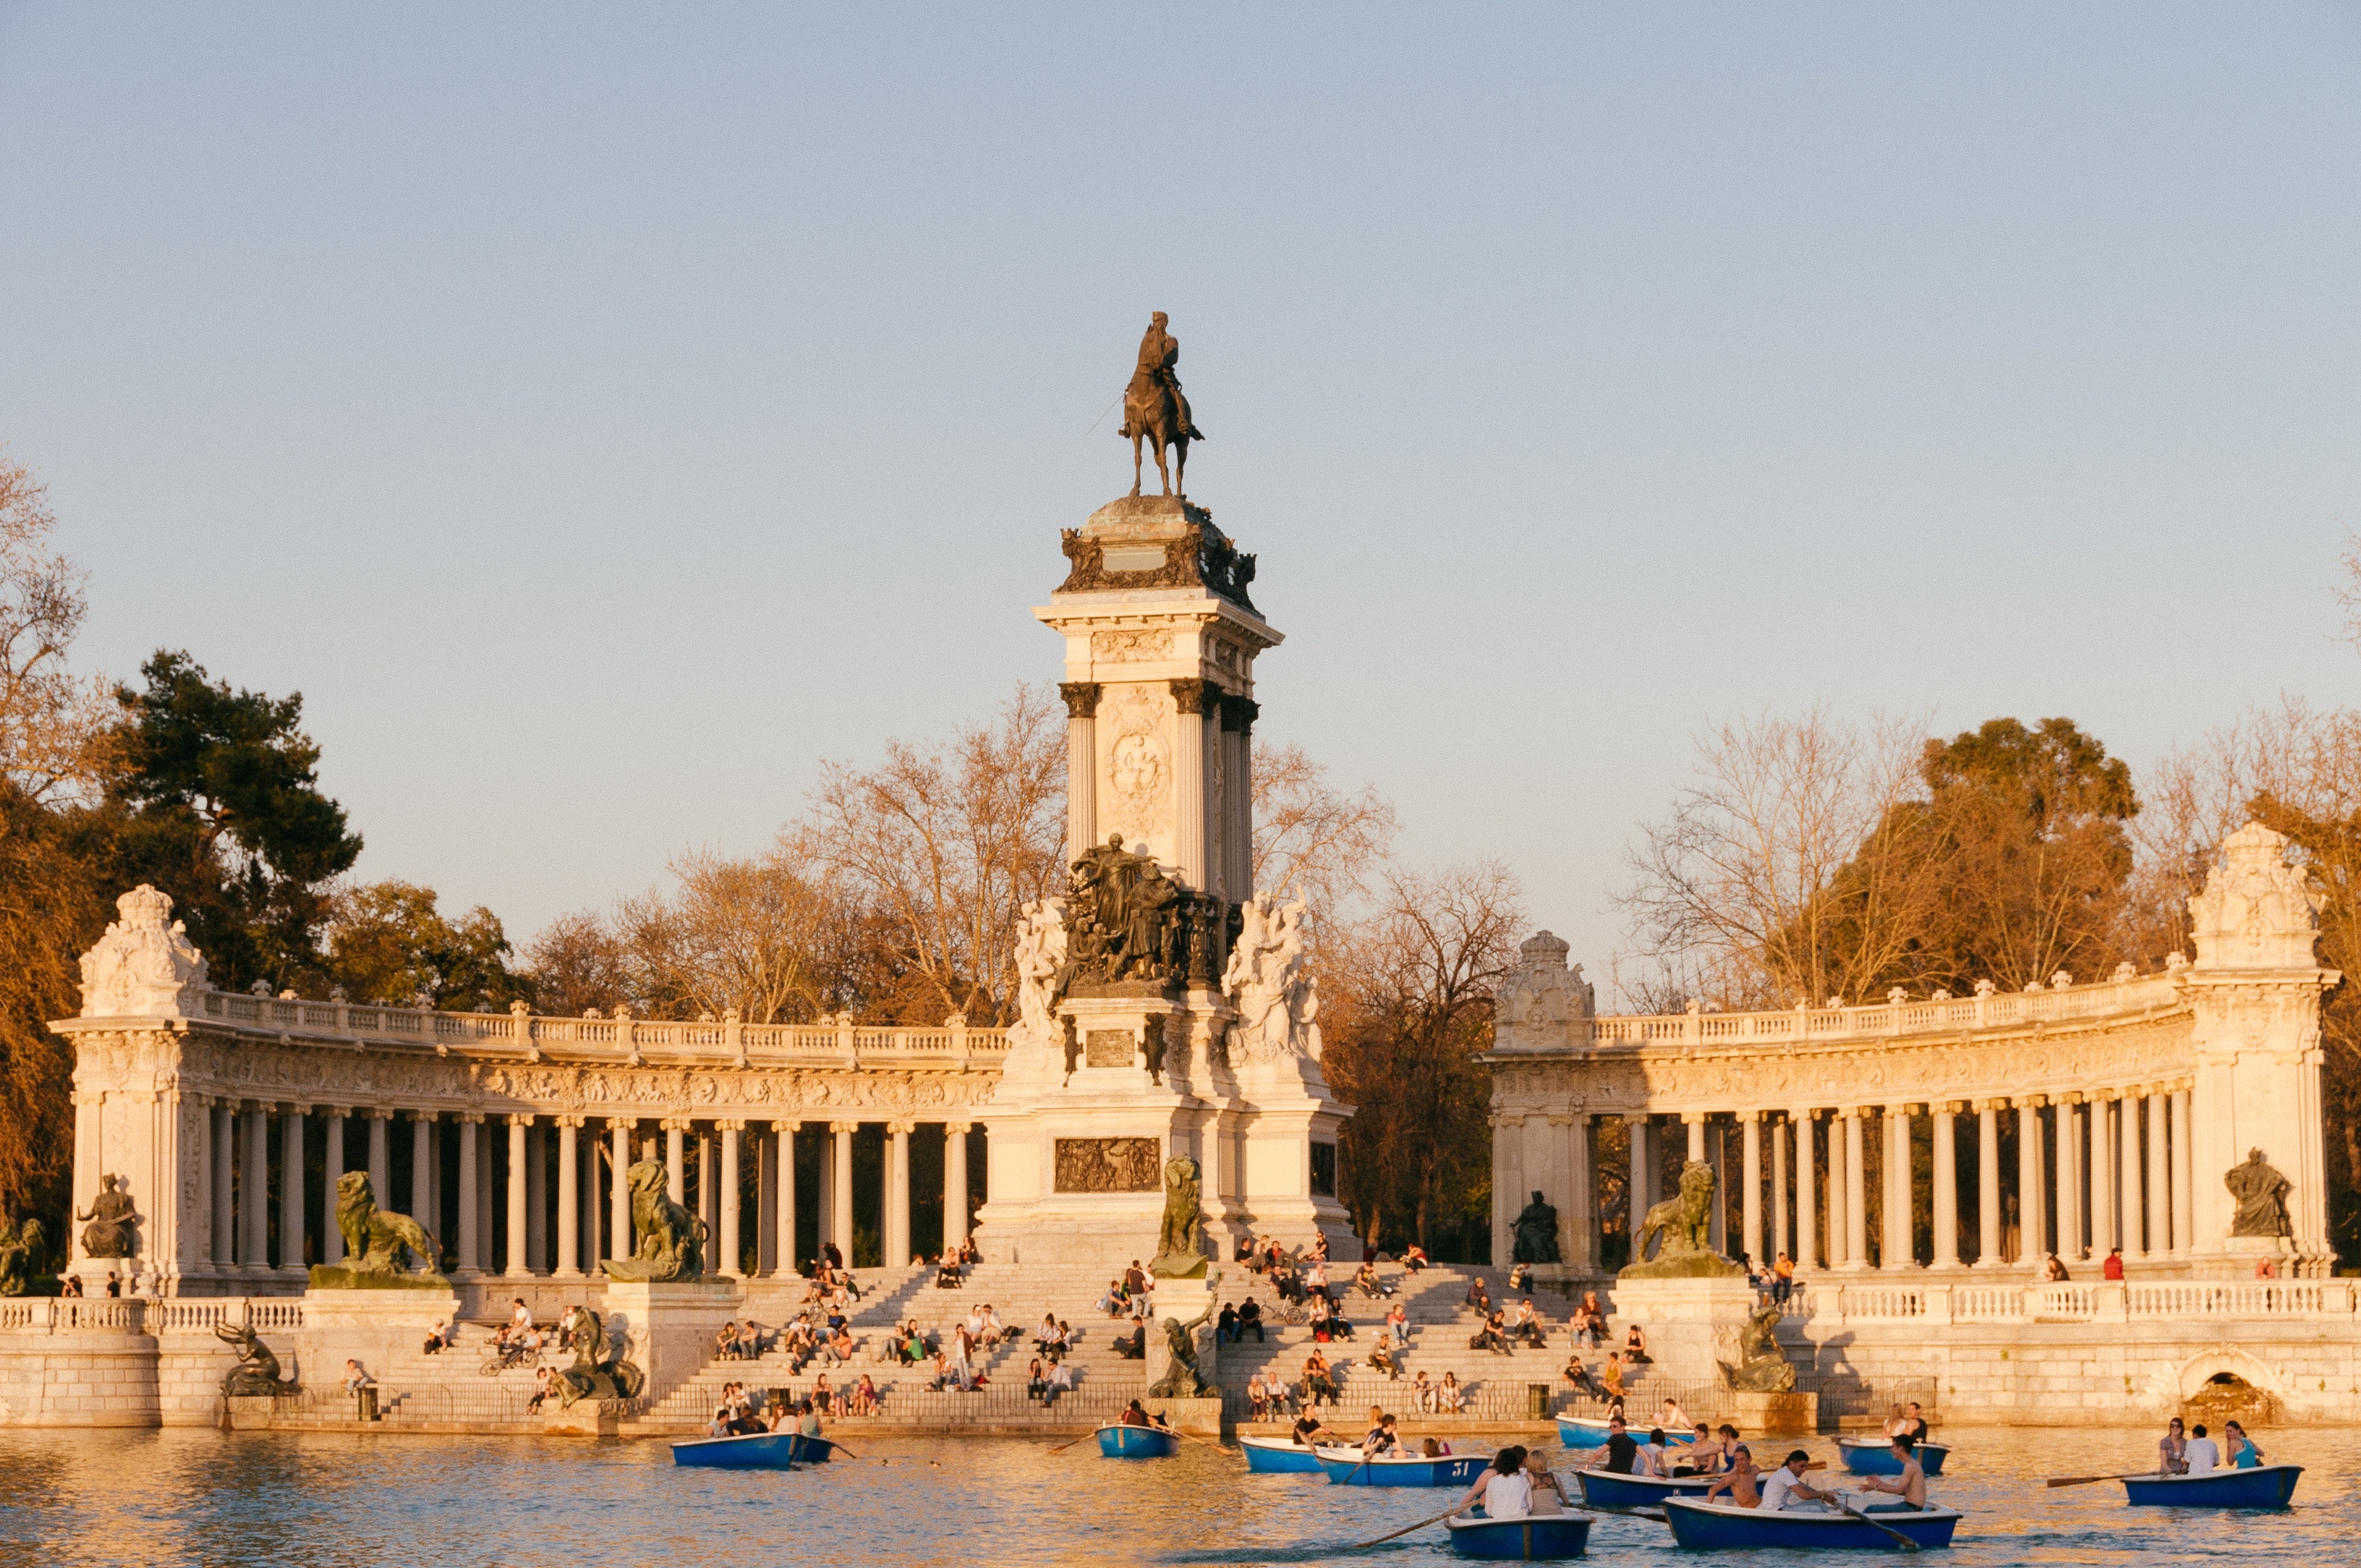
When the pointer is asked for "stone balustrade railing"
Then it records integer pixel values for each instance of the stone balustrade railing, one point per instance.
(2184, 1301)
(1991, 1011)
(523, 1036)
(175, 1315)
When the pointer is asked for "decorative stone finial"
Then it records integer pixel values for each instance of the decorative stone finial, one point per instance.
(143, 968)
(1544, 1000)
(2256, 912)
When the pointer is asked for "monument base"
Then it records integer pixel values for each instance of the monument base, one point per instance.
(1776, 1415)
(669, 1328)
(374, 1327)
(584, 1418)
(338, 1276)
(1692, 1325)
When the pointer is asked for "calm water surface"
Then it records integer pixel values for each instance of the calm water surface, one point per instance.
(317, 1500)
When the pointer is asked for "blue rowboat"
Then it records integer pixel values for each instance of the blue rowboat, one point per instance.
(1583, 1431)
(2262, 1486)
(1874, 1456)
(1720, 1526)
(1279, 1455)
(1604, 1489)
(1137, 1442)
(1346, 1467)
(754, 1451)
(1537, 1538)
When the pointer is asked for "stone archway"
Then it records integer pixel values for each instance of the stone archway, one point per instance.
(2229, 1385)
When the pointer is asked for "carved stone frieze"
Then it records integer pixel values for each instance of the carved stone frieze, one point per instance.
(1122, 645)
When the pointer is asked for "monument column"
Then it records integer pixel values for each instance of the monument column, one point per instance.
(253, 1189)
(730, 1260)
(520, 1264)
(1947, 1185)
(1856, 1192)
(1579, 1225)
(331, 1170)
(1635, 1202)
(1897, 1247)
(380, 1158)
(422, 1178)
(2133, 1235)
(1188, 780)
(1695, 1122)
(841, 1165)
(955, 1182)
(619, 1201)
(706, 1210)
(2032, 1233)
(2184, 1233)
(1507, 1179)
(2103, 1234)
(2159, 1176)
(225, 1118)
(1751, 1173)
(1988, 1183)
(1081, 765)
(470, 1229)
(1781, 1241)
(1806, 1252)
(675, 1163)
(896, 1226)
(787, 1204)
(569, 1200)
(2068, 1176)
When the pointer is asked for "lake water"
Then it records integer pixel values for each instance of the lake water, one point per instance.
(326, 1501)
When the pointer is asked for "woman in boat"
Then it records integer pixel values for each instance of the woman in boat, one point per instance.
(808, 1419)
(1545, 1493)
(2172, 1452)
(2244, 1454)
(1433, 1448)
(1503, 1489)
(1910, 1486)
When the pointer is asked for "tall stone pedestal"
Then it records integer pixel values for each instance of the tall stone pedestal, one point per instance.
(1776, 1415)
(372, 1327)
(669, 1328)
(1691, 1324)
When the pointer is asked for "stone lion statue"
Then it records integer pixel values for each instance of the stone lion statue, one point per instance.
(672, 1239)
(378, 1241)
(1685, 1223)
(1762, 1367)
(257, 1372)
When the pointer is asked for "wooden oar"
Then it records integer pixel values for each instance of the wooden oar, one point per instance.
(2086, 1480)
(1899, 1539)
(1063, 1446)
(1655, 1514)
(1404, 1530)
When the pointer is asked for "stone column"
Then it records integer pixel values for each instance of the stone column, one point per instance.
(1947, 1186)
(2032, 1192)
(1834, 1192)
(569, 1200)
(380, 1157)
(2133, 1232)
(1246, 711)
(2184, 1233)
(1695, 1122)
(1749, 1166)
(1508, 1179)
(471, 1238)
(2069, 1175)
(675, 1132)
(520, 1264)
(1806, 1255)
(955, 1182)
(422, 1178)
(1897, 1248)
(2158, 1209)
(536, 1200)
(619, 1200)
(291, 1188)
(730, 1260)
(254, 1191)
(843, 1194)
(1636, 1183)
(2102, 1175)
(707, 1187)
(1081, 766)
(225, 1120)
(1988, 1183)
(896, 1218)
(1781, 1239)
(1188, 780)
(332, 1240)
(1578, 1239)
(1856, 1193)
(787, 1259)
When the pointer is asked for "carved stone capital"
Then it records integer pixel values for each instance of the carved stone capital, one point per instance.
(380, 1112)
(422, 1116)
(1190, 694)
(901, 1128)
(468, 1118)
(1239, 713)
(847, 1128)
(519, 1119)
(1082, 697)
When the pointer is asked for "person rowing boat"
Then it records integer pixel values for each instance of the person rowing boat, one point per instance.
(1910, 1486)
(1738, 1481)
(1504, 1489)
(1787, 1483)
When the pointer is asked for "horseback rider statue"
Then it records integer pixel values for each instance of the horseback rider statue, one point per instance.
(1154, 409)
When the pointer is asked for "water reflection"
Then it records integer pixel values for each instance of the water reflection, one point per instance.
(314, 1501)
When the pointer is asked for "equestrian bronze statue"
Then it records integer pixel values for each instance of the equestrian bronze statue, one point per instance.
(1154, 410)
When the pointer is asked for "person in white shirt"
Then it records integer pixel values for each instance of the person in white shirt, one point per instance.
(1783, 1487)
(1653, 1458)
(1504, 1491)
(2203, 1455)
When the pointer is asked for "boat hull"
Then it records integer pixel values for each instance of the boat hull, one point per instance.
(1604, 1489)
(2264, 1486)
(1541, 1538)
(1137, 1442)
(1865, 1456)
(1278, 1456)
(755, 1451)
(1716, 1527)
(1582, 1431)
(1347, 1468)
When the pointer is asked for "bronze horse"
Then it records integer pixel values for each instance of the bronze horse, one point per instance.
(1154, 409)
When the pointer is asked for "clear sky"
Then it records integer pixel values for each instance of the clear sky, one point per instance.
(604, 414)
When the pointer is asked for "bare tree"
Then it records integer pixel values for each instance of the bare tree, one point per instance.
(1313, 838)
(1731, 895)
(948, 842)
(578, 963)
(50, 720)
(743, 936)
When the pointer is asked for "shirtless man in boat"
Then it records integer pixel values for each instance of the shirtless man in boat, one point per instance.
(1739, 1482)
(1910, 1486)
